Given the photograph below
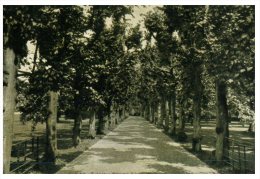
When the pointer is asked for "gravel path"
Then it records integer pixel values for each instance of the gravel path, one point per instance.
(136, 146)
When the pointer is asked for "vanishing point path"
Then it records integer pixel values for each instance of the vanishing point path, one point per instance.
(136, 146)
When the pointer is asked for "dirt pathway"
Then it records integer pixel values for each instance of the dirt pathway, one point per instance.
(136, 146)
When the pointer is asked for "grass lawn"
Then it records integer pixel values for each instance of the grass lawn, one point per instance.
(66, 151)
(237, 132)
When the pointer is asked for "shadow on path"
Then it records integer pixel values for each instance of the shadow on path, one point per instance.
(136, 146)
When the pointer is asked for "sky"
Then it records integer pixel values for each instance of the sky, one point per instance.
(137, 13)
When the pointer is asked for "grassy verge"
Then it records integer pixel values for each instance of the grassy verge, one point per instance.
(237, 131)
(66, 151)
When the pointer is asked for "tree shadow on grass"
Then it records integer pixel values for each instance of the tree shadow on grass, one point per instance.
(50, 168)
(64, 136)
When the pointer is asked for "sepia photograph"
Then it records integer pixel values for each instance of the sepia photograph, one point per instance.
(128, 89)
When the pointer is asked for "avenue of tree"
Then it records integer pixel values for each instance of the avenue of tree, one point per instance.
(190, 63)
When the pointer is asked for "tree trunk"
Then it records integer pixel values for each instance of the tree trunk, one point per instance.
(153, 112)
(160, 119)
(123, 113)
(92, 125)
(51, 129)
(126, 111)
(222, 122)
(156, 111)
(167, 123)
(150, 112)
(111, 118)
(9, 95)
(120, 114)
(181, 134)
(101, 123)
(173, 115)
(143, 111)
(116, 116)
(77, 128)
(196, 141)
(163, 112)
(182, 117)
(147, 112)
(170, 110)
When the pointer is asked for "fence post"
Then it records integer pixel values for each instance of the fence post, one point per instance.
(37, 149)
(239, 158)
(33, 146)
(24, 150)
(233, 156)
(18, 153)
(244, 158)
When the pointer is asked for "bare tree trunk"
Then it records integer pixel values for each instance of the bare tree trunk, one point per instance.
(102, 122)
(160, 119)
(163, 113)
(147, 112)
(123, 113)
(156, 111)
(170, 111)
(116, 116)
(167, 122)
(77, 128)
(196, 141)
(101, 125)
(173, 117)
(111, 118)
(152, 112)
(120, 114)
(222, 122)
(9, 95)
(182, 117)
(51, 129)
(143, 111)
(181, 134)
(126, 112)
(92, 124)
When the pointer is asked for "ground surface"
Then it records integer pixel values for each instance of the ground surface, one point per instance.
(238, 134)
(136, 146)
(66, 151)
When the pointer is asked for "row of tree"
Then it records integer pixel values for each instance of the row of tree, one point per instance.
(79, 68)
(196, 58)
(186, 61)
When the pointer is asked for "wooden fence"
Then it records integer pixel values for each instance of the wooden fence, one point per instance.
(26, 154)
(241, 156)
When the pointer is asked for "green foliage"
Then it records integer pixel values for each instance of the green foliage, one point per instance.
(87, 70)
(231, 36)
(55, 32)
(18, 23)
(92, 65)
(216, 40)
(134, 38)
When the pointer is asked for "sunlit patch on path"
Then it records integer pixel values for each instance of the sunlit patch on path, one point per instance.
(135, 146)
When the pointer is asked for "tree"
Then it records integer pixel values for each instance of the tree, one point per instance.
(110, 84)
(232, 50)
(187, 24)
(157, 31)
(50, 72)
(17, 26)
